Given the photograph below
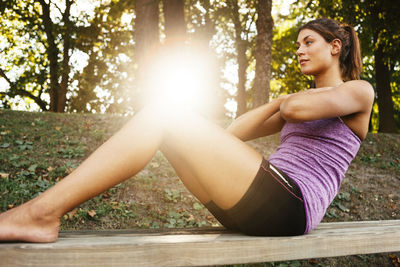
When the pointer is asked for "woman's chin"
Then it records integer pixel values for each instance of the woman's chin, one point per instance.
(307, 71)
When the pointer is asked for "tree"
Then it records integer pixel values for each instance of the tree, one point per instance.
(242, 23)
(105, 84)
(252, 41)
(174, 18)
(285, 70)
(47, 40)
(262, 78)
(146, 27)
(241, 47)
(44, 41)
(50, 58)
(383, 13)
(147, 39)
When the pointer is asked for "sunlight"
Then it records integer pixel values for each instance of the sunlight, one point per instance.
(178, 79)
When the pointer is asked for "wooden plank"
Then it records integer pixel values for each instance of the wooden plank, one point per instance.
(201, 246)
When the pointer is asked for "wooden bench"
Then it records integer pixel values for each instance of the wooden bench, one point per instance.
(210, 246)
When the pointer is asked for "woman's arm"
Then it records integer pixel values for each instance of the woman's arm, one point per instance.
(348, 98)
(261, 121)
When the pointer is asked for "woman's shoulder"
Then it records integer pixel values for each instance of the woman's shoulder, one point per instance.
(361, 90)
(361, 86)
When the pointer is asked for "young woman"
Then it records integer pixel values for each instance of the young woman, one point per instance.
(321, 131)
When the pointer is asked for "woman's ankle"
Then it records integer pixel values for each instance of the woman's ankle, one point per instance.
(42, 212)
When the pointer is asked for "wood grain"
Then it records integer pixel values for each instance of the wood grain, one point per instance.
(210, 246)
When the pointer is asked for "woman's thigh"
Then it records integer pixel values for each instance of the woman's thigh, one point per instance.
(212, 163)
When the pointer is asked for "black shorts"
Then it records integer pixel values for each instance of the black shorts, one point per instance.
(272, 206)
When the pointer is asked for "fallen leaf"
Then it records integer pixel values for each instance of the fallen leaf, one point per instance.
(70, 215)
(106, 195)
(114, 205)
(154, 165)
(5, 145)
(92, 213)
(4, 175)
(395, 259)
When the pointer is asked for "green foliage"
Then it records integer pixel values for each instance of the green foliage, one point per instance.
(105, 40)
(172, 195)
(23, 51)
(109, 44)
(286, 74)
(181, 220)
(35, 44)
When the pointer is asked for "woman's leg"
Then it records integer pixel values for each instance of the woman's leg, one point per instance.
(215, 166)
(208, 158)
(123, 155)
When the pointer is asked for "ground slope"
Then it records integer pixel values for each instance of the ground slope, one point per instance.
(39, 149)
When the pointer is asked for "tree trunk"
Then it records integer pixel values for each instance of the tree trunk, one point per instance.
(62, 94)
(387, 123)
(262, 78)
(175, 26)
(52, 52)
(146, 40)
(242, 61)
(146, 28)
(209, 23)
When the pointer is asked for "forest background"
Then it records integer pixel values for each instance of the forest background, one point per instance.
(92, 55)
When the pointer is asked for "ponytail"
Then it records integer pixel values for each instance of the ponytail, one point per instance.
(350, 57)
(350, 54)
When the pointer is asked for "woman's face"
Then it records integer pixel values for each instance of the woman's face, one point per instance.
(313, 52)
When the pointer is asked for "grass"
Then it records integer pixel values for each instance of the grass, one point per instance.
(39, 149)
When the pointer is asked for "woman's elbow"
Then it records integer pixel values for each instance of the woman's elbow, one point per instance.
(291, 111)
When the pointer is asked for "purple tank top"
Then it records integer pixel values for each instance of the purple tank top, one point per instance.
(316, 155)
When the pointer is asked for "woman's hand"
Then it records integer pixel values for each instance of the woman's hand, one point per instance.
(261, 121)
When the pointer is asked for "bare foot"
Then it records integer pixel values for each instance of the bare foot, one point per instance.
(29, 222)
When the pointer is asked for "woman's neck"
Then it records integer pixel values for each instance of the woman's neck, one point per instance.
(331, 78)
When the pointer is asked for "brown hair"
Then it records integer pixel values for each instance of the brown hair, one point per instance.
(350, 54)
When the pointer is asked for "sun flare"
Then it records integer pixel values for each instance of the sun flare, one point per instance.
(179, 79)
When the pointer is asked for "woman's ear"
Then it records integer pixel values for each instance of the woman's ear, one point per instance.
(336, 46)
